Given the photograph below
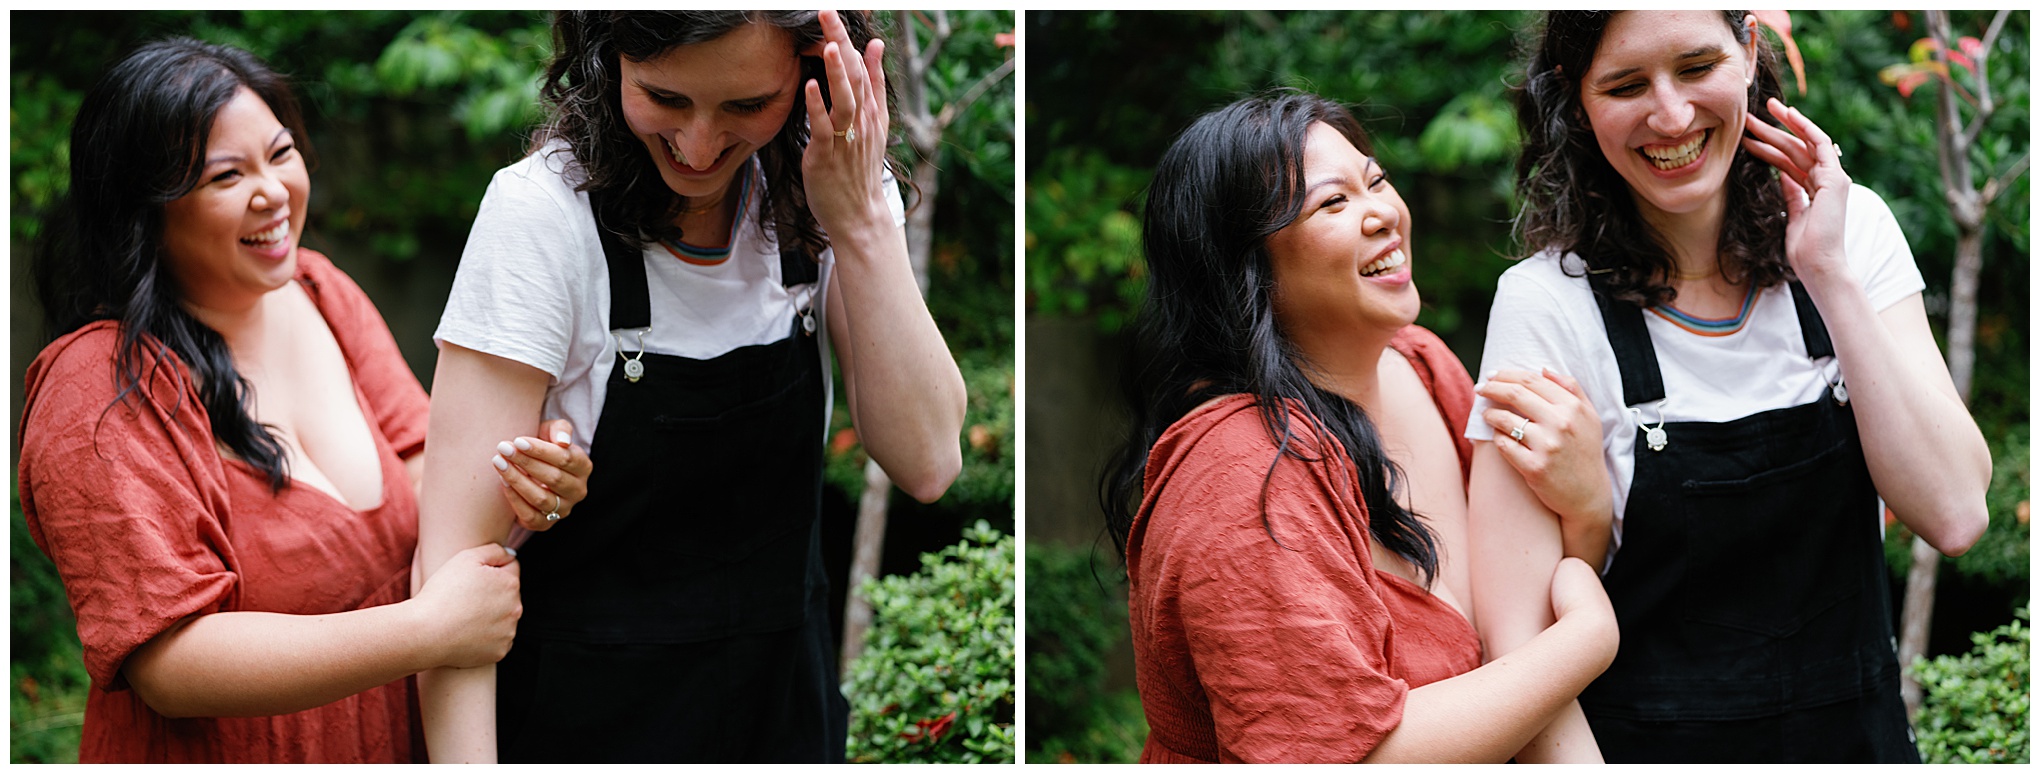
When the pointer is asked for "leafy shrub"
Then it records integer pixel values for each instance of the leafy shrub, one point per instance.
(1073, 625)
(1976, 705)
(47, 681)
(935, 681)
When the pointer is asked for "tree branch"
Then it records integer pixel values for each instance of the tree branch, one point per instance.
(956, 107)
(938, 34)
(1985, 106)
(1997, 184)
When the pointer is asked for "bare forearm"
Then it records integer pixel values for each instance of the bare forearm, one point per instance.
(459, 706)
(1924, 451)
(1486, 715)
(1568, 739)
(905, 393)
(1514, 544)
(246, 664)
(477, 401)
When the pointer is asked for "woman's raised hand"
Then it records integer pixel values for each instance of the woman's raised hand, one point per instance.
(1816, 188)
(472, 604)
(844, 163)
(543, 475)
(1547, 429)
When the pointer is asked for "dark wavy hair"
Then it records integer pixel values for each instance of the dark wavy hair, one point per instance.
(583, 94)
(139, 142)
(1208, 326)
(1574, 201)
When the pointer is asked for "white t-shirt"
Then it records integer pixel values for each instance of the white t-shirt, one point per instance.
(533, 287)
(1543, 318)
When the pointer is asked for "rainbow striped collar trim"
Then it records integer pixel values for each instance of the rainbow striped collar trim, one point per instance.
(711, 256)
(1705, 327)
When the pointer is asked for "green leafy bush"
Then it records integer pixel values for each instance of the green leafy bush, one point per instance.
(935, 681)
(1976, 705)
(1073, 624)
(46, 681)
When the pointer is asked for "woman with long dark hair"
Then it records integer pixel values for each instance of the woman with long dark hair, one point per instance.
(219, 450)
(1749, 324)
(1292, 502)
(707, 214)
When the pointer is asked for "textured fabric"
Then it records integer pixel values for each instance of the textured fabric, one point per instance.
(1249, 650)
(533, 287)
(148, 524)
(1544, 318)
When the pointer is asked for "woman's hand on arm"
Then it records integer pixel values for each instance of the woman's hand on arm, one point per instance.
(1515, 545)
(535, 469)
(1930, 462)
(1489, 714)
(477, 401)
(905, 393)
(1559, 455)
(246, 664)
(543, 475)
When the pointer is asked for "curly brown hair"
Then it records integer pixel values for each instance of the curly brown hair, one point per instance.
(1574, 201)
(582, 92)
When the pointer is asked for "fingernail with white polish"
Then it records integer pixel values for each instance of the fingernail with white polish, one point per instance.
(505, 448)
(500, 463)
(562, 437)
(522, 445)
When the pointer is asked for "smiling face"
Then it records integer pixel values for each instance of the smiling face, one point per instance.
(234, 237)
(1343, 265)
(701, 110)
(1667, 96)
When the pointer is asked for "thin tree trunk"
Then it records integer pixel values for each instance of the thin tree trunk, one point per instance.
(1965, 205)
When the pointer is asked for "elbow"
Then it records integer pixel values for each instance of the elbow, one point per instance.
(931, 479)
(1955, 524)
(158, 697)
(1963, 529)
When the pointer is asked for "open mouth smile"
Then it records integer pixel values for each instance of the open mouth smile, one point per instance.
(1387, 263)
(679, 163)
(270, 238)
(1672, 157)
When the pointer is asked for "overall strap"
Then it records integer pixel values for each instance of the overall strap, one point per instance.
(1811, 328)
(796, 268)
(1642, 382)
(630, 295)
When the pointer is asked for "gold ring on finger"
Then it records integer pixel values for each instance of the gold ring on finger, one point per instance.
(555, 514)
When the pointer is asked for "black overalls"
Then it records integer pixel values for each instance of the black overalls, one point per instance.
(1750, 584)
(681, 614)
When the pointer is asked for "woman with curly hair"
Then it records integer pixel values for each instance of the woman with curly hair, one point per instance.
(1749, 324)
(1292, 501)
(220, 450)
(706, 216)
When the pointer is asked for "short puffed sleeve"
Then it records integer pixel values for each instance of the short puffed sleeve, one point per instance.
(1289, 640)
(127, 498)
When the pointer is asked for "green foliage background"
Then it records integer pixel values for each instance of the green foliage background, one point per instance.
(410, 113)
(1979, 704)
(1432, 89)
(935, 681)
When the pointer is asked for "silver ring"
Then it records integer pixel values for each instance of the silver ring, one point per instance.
(1517, 434)
(555, 515)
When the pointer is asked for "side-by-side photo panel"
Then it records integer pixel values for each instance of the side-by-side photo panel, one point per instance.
(514, 386)
(1489, 386)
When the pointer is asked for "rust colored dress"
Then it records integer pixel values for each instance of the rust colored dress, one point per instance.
(148, 524)
(1249, 651)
